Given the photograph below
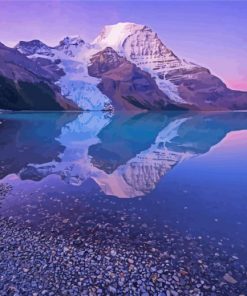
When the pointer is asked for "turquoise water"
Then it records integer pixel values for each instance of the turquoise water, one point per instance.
(186, 170)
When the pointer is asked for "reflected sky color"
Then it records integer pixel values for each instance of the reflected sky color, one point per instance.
(231, 151)
(210, 33)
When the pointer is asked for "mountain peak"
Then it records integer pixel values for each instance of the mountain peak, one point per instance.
(75, 40)
(33, 46)
(124, 26)
(115, 35)
(70, 45)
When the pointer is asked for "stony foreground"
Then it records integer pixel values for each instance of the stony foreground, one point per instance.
(110, 262)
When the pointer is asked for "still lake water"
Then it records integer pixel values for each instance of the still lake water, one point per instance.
(193, 165)
(185, 170)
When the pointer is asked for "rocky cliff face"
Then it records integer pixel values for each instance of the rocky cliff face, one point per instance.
(25, 85)
(128, 86)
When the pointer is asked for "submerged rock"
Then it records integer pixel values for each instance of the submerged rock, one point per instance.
(228, 278)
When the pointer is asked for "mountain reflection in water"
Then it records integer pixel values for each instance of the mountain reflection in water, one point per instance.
(126, 155)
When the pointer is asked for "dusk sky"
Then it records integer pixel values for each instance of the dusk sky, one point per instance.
(210, 33)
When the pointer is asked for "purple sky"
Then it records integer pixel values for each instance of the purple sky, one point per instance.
(210, 33)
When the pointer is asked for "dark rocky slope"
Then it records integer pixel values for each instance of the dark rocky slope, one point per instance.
(128, 86)
(199, 88)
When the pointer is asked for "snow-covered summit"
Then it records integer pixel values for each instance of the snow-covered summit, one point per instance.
(115, 35)
(132, 39)
(142, 46)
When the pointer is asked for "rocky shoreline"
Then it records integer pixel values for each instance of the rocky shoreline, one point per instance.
(112, 261)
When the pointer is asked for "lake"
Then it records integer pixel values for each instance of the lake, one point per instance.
(121, 188)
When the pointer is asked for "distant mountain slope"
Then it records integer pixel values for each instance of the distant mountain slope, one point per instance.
(24, 85)
(150, 77)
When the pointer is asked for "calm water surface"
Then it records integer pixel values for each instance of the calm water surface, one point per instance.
(188, 171)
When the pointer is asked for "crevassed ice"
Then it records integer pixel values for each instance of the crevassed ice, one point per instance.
(76, 84)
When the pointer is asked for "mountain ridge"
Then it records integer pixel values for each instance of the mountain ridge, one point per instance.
(184, 84)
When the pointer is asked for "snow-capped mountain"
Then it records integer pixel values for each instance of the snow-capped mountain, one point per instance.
(178, 83)
(140, 45)
(183, 82)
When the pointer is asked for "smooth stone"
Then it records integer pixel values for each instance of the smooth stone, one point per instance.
(228, 278)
